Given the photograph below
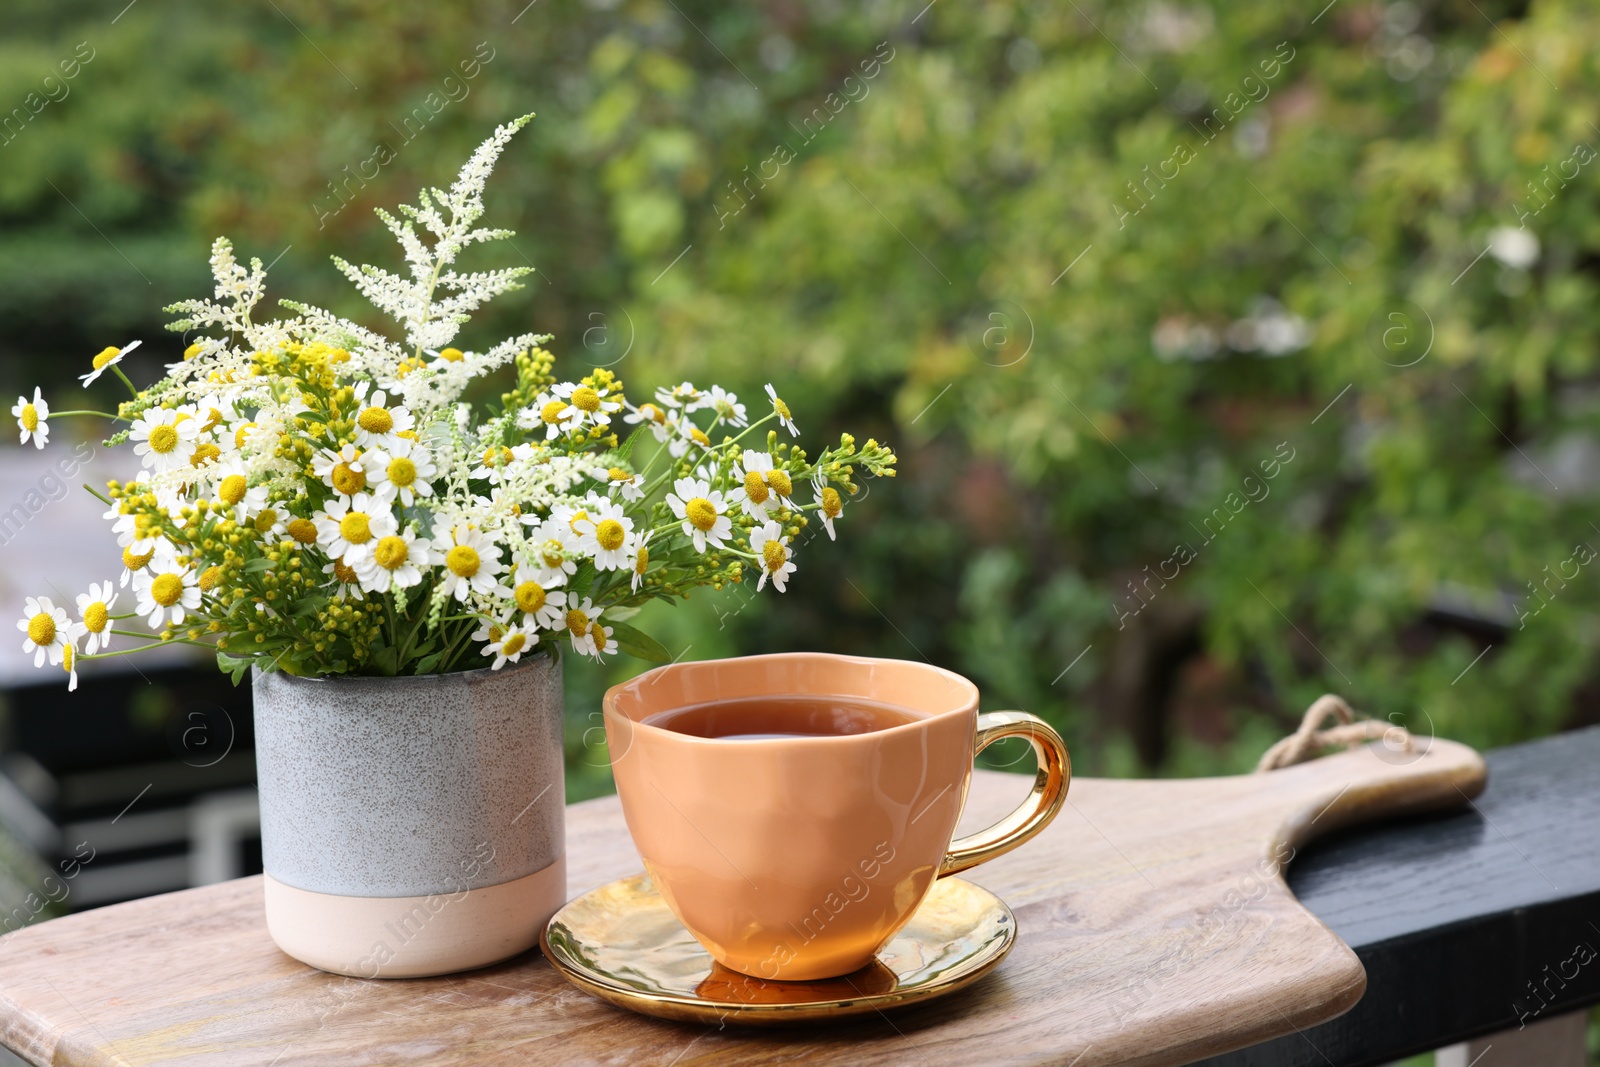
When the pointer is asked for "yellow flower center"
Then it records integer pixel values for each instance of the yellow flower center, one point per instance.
(303, 530)
(106, 355)
(530, 596)
(269, 518)
(698, 436)
(67, 658)
(577, 622)
(241, 433)
(755, 487)
(779, 480)
(641, 561)
(402, 472)
(552, 554)
(204, 453)
(577, 517)
(347, 479)
(133, 562)
(231, 491)
(832, 503)
(463, 561)
(514, 644)
(782, 409)
(551, 412)
(610, 534)
(339, 356)
(451, 355)
(391, 552)
(774, 555)
(41, 629)
(356, 528)
(585, 399)
(617, 474)
(409, 435)
(213, 417)
(166, 589)
(375, 420)
(192, 351)
(209, 579)
(701, 513)
(30, 417)
(95, 617)
(163, 438)
(346, 575)
(653, 413)
(599, 637)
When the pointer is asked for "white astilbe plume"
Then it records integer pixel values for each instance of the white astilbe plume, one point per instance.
(432, 323)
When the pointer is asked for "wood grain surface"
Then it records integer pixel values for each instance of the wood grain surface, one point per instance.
(1154, 928)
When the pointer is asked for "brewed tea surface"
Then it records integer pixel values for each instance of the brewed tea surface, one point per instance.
(768, 718)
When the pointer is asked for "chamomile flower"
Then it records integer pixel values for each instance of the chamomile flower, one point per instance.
(640, 551)
(829, 503)
(347, 582)
(508, 645)
(755, 496)
(580, 620)
(272, 524)
(48, 630)
(777, 560)
(551, 543)
(542, 603)
(471, 562)
(166, 594)
(599, 641)
(349, 527)
(234, 492)
(217, 414)
(31, 418)
(132, 529)
(379, 422)
(344, 471)
(493, 463)
(69, 663)
(626, 483)
(94, 608)
(688, 436)
(784, 415)
(165, 438)
(724, 403)
(701, 509)
(679, 396)
(396, 561)
(403, 471)
(604, 534)
(554, 414)
(591, 404)
(650, 415)
(133, 562)
(108, 357)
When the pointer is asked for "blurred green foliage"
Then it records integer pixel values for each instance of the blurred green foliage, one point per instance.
(1095, 269)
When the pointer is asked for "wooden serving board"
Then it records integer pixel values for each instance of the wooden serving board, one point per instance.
(1153, 929)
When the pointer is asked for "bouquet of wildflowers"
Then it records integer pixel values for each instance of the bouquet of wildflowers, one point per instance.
(317, 497)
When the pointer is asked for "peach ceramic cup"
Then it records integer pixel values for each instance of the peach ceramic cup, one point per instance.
(798, 858)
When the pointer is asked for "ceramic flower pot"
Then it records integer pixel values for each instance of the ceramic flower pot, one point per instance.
(411, 826)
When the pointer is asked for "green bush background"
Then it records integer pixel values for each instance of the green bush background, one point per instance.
(901, 269)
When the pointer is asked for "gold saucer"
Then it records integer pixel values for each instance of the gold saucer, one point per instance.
(623, 944)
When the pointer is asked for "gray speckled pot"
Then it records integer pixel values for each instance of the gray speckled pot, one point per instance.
(411, 826)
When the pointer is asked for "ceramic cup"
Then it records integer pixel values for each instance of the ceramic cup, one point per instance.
(798, 858)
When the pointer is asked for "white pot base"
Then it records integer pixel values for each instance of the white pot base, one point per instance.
(413, 937)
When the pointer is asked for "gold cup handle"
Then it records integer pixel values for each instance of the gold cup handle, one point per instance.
(1035, 813)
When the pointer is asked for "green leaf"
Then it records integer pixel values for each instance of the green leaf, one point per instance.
(624, 452)
(386, 661)
(583, 582)
(311, 416)
(639, 644)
